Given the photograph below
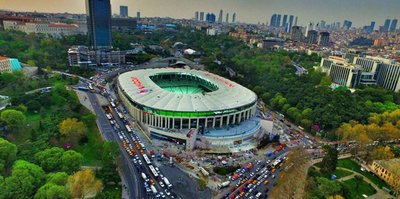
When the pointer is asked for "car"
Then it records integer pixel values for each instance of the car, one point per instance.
(273, 176)
(162, 195)
(258, 195)
(140, 162)
(252, 174)
(259, 182)
(161, 184)
(135, 161)
(258, 169)
(167, 192)
(251, 190)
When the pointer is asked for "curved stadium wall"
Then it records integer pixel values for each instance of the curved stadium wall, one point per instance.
(183, 99)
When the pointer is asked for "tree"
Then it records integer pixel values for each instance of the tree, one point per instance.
(382, 153)
(108, 173)
(8, 154)
(83, 183)
(329, 161)
(71, 161)
(56, 159)
(52, 191)
(50, 159)
(13, 118)
(359, 179)
(25, 179)
(327, 187)
(72, 130)
(59, 178)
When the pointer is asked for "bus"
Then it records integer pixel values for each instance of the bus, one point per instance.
(120, 115)
(301, 128)
(146, 159)
(128, 128)
(155, 173)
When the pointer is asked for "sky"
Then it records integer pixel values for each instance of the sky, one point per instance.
(361, 12)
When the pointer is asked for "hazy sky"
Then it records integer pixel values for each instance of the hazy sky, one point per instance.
(361, 12)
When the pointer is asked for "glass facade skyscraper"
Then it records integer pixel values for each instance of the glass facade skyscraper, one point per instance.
(99, 23)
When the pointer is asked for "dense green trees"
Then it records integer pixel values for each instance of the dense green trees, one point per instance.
(8, 154)
(52, 191)
(108, 173)
(56, 159)
(25, 180)
(13, 118)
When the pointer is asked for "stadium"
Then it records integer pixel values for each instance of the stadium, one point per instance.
(191, 107)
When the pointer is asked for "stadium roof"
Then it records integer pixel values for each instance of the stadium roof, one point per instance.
(141, 89)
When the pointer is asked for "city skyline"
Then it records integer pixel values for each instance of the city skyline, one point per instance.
(251, 11)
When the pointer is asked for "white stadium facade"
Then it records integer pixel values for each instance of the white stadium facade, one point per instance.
(192, 107)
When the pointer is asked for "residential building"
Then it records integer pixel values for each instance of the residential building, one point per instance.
(297, 34)
(388, 171)
(234, 17)
(138, 15)
(273, 20)
(345, 74)
(99, 23)
(227, 18)
(124, 23)
(272, 43)
(196, 16)
(123, 11)
(284, 20)
(323, 38)
(8, 65)
(201, 16)
(312, 37)
(389, 76)
(347, 24)
(53, 29)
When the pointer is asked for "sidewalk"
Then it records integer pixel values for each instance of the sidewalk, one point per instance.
(83, 98)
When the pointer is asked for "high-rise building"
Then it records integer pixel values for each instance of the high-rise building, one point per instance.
(123, 11)
(393, 25)
(291, 18)
(234, 17)
(308, 28)
(99, 23)
(201, 16)
(372, 26)
(295, 21)
(323, 38)
(297, 34)
(312, 36)
(210, 17)
(347, 24)
(322, 25)
(278, 20)
(138, 15)
(284, 20)
(385, 27)
(196, 16)
(389, 76)
(227, 18)
(272, 23)
(220, 16)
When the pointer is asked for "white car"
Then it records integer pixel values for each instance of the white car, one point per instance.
(161, 184)
(167, 192)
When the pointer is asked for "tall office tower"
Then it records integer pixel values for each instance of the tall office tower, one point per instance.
(210, 17)
(284, 20)
(347, 24)
(297, 34)
(323, 38)
(138, 15)
(308, 28)
(220, 16)
(201, 16)
(393, 25)
(278, 21)
(385, 27)
(227, 18)
(295, 21)
(123, 11)
(196, 16)
(273, 20)
(234, 17)
(372, 26)
(312, 36)
(290, 23)
(99, 23)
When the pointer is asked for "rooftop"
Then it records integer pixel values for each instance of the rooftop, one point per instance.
(392, 165)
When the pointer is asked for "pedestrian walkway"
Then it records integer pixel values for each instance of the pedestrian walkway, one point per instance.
(83, 98)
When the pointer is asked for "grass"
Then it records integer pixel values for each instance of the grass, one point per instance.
(354, 166)
(340, 173)
(363, 188)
